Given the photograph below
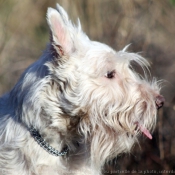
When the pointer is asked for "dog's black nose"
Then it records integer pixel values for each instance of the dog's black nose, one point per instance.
(159, 101)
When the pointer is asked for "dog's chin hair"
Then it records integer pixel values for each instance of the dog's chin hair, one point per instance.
(108, 142)
(120, 135)
(104, 146)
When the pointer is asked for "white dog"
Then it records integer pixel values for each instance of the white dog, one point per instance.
(80, 105)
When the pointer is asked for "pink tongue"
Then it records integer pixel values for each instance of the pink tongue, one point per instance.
(144, 131)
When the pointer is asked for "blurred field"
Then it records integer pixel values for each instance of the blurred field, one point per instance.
(148, 24)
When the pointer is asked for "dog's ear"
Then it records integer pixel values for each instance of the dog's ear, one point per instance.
(61, 29)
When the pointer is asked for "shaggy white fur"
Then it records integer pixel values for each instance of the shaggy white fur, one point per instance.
(80, 94)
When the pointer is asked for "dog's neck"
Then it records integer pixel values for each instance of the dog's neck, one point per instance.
(41, 141)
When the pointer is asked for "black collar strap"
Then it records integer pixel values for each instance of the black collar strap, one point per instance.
(38, 138)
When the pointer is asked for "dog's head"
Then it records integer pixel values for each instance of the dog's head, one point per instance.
(101, 82)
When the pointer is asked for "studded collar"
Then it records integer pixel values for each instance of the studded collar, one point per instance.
(41, 141)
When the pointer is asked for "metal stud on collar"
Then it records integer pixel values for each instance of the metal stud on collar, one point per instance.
(38, 138)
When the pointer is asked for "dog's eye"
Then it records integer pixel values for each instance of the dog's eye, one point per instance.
(110, 74)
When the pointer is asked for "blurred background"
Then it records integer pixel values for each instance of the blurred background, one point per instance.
(148, 24)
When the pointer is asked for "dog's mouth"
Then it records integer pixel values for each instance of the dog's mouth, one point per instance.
(144, 130)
